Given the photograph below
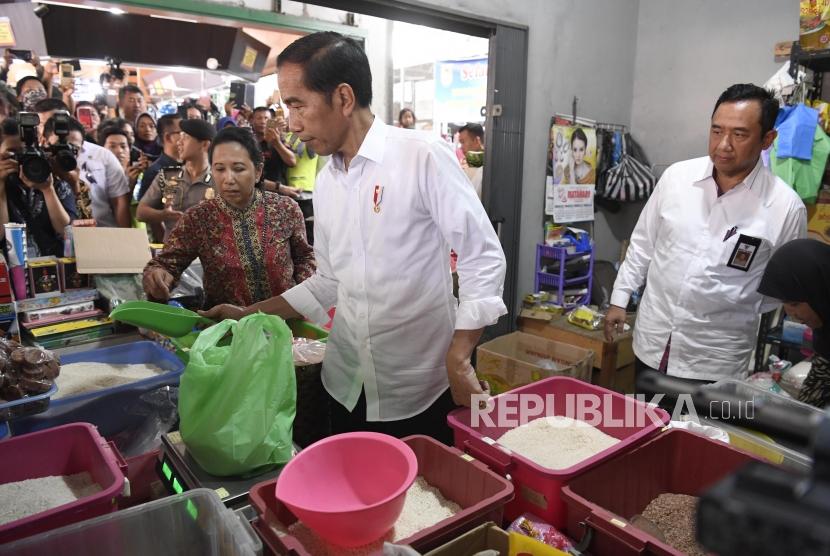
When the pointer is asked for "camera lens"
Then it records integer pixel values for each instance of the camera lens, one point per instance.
(66, 161)
(36, 168)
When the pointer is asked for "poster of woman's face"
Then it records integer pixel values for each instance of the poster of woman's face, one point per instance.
(573, 154)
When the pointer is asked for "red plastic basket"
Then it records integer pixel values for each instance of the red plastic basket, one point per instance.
(605, 498)
(65, 450)
(538, 489)
(480, 493)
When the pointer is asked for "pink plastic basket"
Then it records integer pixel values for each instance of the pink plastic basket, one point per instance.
(65, 450)
(606, 497)
(480, 493)
(538, 489)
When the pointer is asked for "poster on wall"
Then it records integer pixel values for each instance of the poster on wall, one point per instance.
(571, 173)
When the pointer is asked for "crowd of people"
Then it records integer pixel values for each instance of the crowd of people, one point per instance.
(127, 158)
(232, 191)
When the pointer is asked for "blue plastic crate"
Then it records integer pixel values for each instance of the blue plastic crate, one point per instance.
(115, 409)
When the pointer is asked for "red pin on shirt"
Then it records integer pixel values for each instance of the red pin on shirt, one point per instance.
(378, 197)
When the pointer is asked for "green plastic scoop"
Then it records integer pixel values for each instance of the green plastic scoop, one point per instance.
(170, 321)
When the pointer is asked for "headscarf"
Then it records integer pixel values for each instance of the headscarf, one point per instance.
(800, 271)
(152, 149)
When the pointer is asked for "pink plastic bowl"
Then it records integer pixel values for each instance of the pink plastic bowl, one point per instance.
(349, 488)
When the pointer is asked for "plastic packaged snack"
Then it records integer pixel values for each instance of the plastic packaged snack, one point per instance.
(586, 318)
(533, 527)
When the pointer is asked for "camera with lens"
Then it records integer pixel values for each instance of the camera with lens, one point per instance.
(36, 162)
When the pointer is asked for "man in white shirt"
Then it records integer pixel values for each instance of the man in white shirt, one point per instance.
(703, 240)
(109, 186)
(388, 207)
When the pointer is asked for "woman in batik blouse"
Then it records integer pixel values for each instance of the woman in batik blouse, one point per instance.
(252, 244)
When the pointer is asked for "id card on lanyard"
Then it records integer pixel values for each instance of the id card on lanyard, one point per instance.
(744, 253)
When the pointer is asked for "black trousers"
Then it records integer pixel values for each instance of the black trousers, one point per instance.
(430, 422)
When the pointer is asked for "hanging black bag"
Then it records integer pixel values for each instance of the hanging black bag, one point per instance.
(630, 180)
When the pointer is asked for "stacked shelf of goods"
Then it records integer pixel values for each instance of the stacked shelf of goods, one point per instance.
(552, 266)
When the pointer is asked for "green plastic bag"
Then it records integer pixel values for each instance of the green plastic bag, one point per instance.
(237, 402)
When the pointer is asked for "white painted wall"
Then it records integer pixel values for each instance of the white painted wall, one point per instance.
(582, 48)
(688, 53)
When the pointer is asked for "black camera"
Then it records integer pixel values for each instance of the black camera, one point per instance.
(36, 162)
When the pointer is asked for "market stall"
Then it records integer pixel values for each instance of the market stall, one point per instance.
(625, 413)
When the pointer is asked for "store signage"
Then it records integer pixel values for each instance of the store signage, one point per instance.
(6, 33)
(460, 90)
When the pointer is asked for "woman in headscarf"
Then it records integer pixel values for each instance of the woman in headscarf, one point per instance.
(252, 244)
(146, 135)
(799, 275)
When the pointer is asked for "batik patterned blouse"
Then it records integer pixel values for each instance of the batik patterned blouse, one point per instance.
(248, 255)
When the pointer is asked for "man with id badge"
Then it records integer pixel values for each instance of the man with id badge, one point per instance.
(702, 243)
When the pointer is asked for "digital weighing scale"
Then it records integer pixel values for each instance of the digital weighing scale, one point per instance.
(179, 472)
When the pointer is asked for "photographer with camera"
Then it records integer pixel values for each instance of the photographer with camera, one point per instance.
(109, 188)
(30, 193)
(278, 156)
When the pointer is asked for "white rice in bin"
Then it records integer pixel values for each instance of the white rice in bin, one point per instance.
(556, 442)
(424, 507)
(83, 377)
(33, 496)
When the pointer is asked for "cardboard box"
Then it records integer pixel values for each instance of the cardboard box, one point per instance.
(484, 537)
(621, 380)
(111, 250)
(71, 279)
(518, 359)
(43, 277)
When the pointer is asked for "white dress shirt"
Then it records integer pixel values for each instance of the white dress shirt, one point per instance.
(106, 178)
(387, 271)
(709, 309)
